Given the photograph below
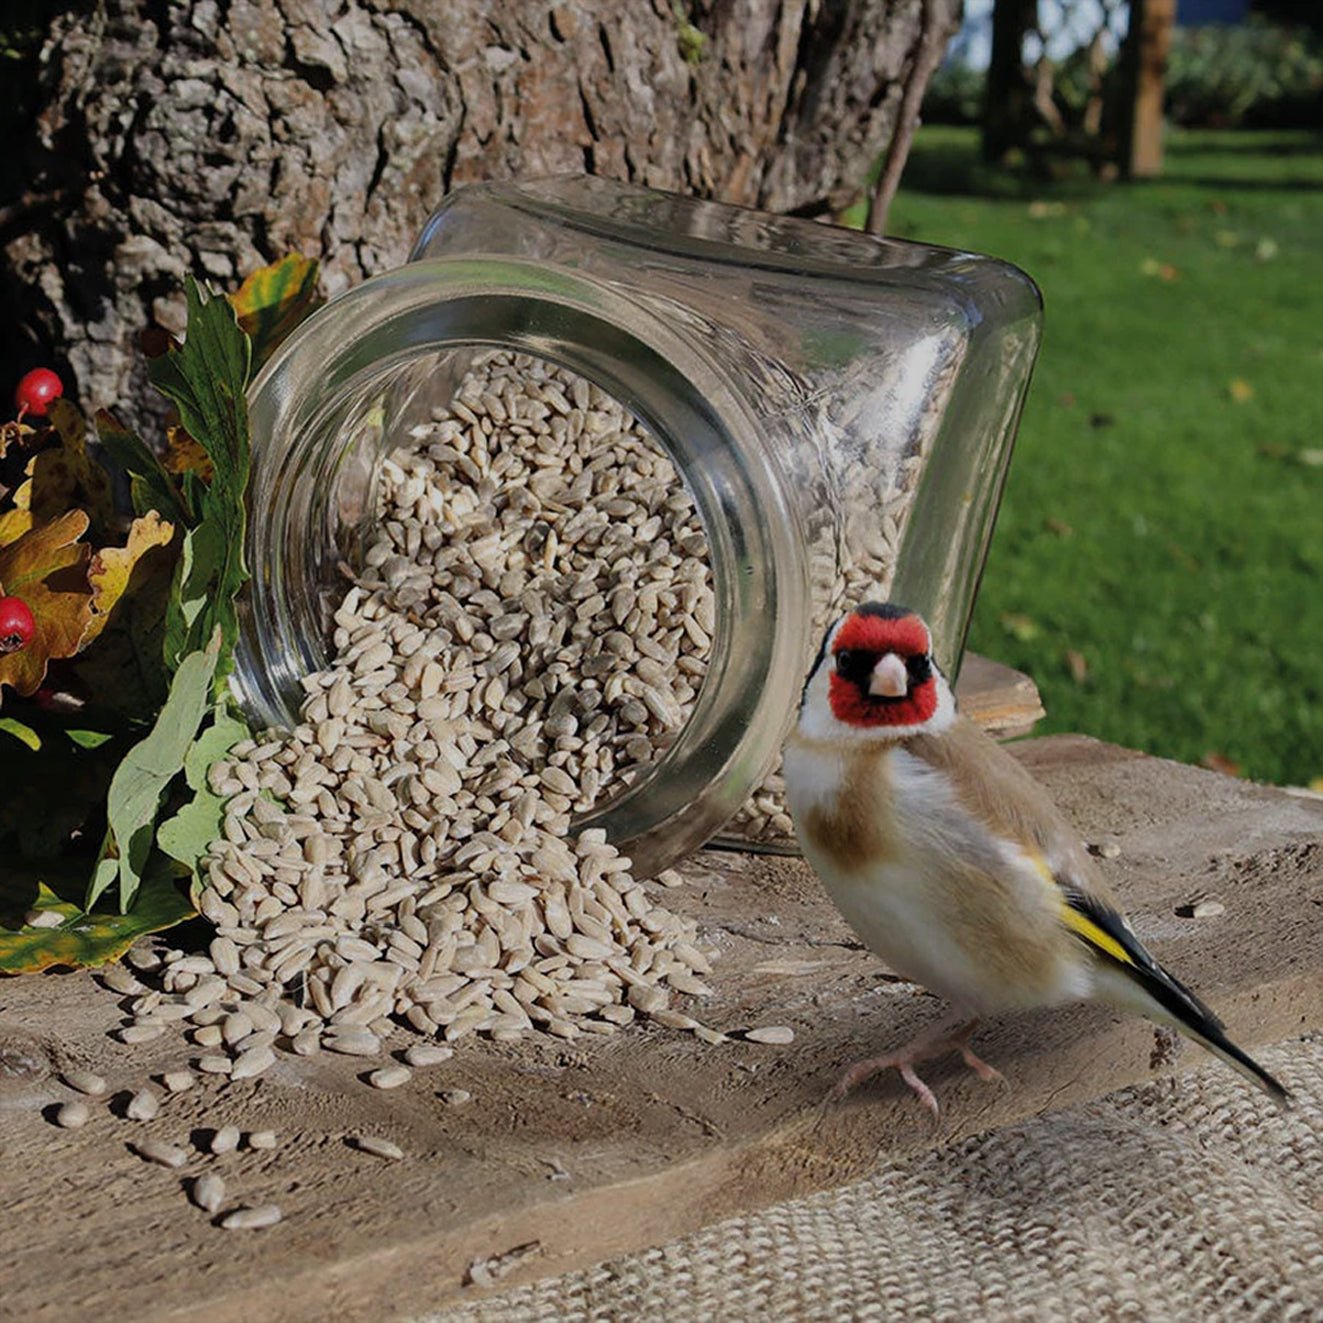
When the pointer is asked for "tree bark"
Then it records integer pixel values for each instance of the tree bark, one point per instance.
(212, 136)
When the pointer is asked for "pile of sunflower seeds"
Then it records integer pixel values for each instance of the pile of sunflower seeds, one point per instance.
(532, 628)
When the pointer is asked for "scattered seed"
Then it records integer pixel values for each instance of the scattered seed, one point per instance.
(118, 979)
(262, 1139)
(208, 1191)
(156, 1150)
(390, 1077)
(455, 1097)
(777, 1035)
(353, 1042)
(176, 1081)
(252, 1062)
(252, 1219)
(427, 1054)
(139, 1033)
(143, 1106)
(72, 1115)
(84, 1081)
(383, 1148)
(225, 1140)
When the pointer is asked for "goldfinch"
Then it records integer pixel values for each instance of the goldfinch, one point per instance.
(950, 861)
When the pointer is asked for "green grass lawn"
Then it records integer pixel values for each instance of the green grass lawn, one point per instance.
(1158, 560)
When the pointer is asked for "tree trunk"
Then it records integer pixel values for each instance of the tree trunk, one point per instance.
(1007, 92)
(214, 135)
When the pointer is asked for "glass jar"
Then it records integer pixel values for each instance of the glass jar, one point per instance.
(840, 408)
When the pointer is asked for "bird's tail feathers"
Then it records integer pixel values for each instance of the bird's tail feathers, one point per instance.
(1131, 978)
(1158, 996)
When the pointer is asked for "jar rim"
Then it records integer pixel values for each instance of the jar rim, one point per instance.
(343, 362)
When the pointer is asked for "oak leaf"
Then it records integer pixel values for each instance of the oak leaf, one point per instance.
(47, 568)
(66, 476)
(113, 569)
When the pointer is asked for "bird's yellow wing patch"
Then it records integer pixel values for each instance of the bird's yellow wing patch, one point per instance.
(1082, 926)
(1079, 923)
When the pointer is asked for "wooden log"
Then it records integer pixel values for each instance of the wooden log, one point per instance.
(573, 1152)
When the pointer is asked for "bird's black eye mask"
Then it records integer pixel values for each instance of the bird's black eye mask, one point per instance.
(856, 665)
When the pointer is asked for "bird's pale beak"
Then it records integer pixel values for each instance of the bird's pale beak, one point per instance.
(890, 679)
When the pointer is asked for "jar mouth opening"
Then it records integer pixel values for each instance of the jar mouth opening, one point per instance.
(328, 410)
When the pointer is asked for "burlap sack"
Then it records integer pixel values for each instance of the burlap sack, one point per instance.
(1189, 1199)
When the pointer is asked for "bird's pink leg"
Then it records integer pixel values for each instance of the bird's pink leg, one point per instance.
(934, 1042)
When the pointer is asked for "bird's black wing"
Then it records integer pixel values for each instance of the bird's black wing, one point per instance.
(1111, 939)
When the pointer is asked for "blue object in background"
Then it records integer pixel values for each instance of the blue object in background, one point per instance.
(1195, 13)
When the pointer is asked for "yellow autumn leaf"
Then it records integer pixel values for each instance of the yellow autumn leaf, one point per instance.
(274, 300)
(112, 568)
(15, 522)
(47, 568)
(66, 476)
(184, 455)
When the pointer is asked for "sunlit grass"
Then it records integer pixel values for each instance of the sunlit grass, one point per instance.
(1158, 562)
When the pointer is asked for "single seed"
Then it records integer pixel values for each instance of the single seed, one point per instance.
(252, 1062)
(775, 1034)
(225, 1140)
(427, 1054)
(118, 979)
(85, 1081)
(455, 1097)
(252, 1219)
(140, 1033)
(208, 1191)
(383, 1148)
(262, 1139)
(156, 1150)
(72, 1115)
(390, 1077)
(352, 1042)
(143, 1106)
(176, 1081)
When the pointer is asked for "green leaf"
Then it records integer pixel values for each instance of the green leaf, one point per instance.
(211, 746)
(150, 486)
(140, 782)
(12, 726)
(201, 566)
(205, 379)
(186, 836)
(89, 739)
(87, 940)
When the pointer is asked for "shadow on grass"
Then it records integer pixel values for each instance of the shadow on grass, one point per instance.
(948, 162)
(1269, 142)
(951, 164)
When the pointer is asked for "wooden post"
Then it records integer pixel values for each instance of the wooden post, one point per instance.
(1144, 69)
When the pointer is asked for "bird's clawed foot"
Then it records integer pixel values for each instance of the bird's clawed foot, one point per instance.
(928, 1046)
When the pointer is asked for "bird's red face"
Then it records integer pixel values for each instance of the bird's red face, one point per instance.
(882, 669)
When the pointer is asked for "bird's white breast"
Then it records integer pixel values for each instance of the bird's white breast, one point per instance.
(897, 855)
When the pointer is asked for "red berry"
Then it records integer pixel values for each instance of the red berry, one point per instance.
(16, 624)
(36, 391)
